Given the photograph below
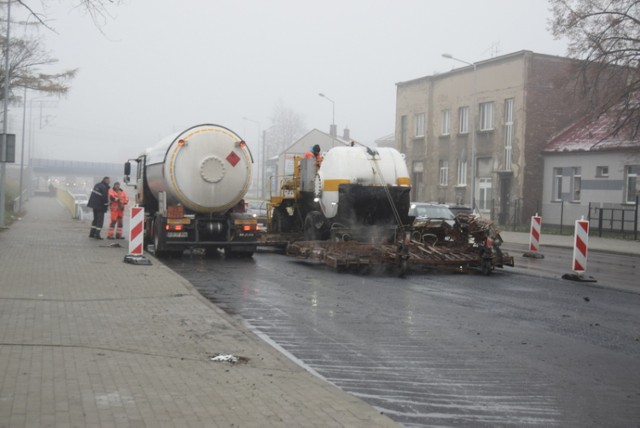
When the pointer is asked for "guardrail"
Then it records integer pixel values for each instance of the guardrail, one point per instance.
(72, 205)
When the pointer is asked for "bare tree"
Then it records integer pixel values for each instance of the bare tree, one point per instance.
(287, 127)
(605, 35)
(26, 57)
(98, 10)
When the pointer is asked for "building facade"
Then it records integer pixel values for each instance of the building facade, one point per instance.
(474, 135)
(282, 166)
(587, 166)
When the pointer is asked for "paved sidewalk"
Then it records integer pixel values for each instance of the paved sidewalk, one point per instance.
(87, 340)
(595, 243)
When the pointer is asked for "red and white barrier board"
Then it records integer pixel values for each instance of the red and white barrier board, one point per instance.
(534, 238)
(580, 247)
(136, 231)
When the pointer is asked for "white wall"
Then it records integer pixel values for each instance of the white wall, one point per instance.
(594, 189)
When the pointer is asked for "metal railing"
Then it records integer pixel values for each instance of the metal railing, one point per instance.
(19, 205)
(75, 207)
(614, 218)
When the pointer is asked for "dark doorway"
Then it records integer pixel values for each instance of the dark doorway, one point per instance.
(505, 196)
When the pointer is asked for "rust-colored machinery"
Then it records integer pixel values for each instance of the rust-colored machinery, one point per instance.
(353, 214)
(472, 243)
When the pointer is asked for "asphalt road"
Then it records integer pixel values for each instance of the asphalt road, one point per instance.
(609, 270)
(519, 347)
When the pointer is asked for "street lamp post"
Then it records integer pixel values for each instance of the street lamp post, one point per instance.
(333, 131)
(260, 174)
(24, 119)
(333, 108)
(6, 108)
(472, 200)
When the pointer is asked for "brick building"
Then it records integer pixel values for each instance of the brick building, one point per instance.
(519, 102)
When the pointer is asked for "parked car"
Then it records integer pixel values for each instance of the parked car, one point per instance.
(430, 210)
(258, 209)
(457, 209)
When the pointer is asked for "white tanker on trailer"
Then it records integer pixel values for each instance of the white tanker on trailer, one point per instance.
(191, 185)
(357, 193)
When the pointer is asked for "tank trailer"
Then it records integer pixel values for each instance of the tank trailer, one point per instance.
(191, 185)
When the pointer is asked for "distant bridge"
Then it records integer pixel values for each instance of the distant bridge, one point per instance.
(55, 167)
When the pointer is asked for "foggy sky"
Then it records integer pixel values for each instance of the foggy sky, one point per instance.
(156, 67)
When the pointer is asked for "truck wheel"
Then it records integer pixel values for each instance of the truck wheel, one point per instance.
(314, 227)
(280, 223)
(158, 246)
(402, 268)
(486, 266)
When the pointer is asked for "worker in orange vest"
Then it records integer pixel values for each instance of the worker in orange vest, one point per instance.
(117, 200)
(314, 153)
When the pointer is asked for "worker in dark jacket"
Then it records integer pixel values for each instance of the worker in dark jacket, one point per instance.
(99, 202)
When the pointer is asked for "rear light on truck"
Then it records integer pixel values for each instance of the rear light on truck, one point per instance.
(176, 227)
(249, 227)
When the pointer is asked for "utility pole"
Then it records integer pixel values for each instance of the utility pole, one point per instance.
(260, 174)
(3, 166)
(333, 129)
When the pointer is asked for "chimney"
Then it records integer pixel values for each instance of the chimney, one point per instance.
(346, 135)
(333, 131)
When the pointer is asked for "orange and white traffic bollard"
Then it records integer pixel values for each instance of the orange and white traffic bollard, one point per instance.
(136, 229)
(580, 250)
(580, 246)
(136, 237)
(534, 238)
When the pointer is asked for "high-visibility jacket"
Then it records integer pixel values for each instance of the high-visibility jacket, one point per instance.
(117, 199)
(311, 155)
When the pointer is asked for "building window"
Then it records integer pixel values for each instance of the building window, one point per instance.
(602, 171)
(419, 120)
(484, 193)
(403, 134)
(557, 184)
(417, 180)
(463, 120)
(445, 122)
(462, 173)
(486, 116)
(444, 172)
(576, 185)
(631, 181)
(508, 133)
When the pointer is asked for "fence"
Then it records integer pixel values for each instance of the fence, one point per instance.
(511, 217)
(18, 205)
(614, 218)
(620, 220)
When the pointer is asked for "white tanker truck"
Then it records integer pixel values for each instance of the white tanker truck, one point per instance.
(357, 193)
(191, 185)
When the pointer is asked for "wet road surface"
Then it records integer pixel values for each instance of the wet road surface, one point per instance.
(435, 349)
